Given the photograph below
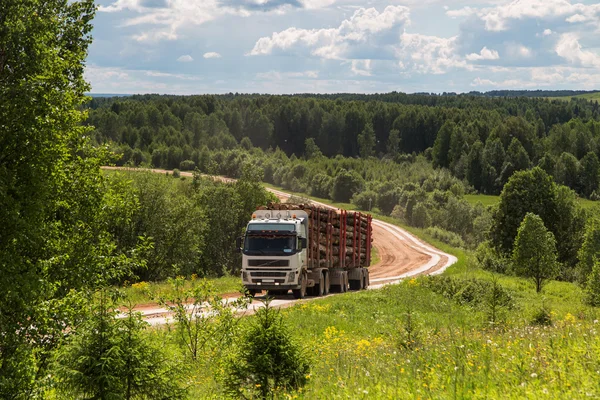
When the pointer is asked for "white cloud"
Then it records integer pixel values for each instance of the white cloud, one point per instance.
(186, 58)
(547, 32)
(121, 5)
(484, 54)
(428, 54)
(569, 48)
(365, 26)
(279, 76)
(169, 19)
(361, 67)
(462, 12)
(314, 4)
(498, 18)
(211, 54)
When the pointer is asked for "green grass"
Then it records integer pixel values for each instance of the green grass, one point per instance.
(488, 200)
(357, 343)
(595, 96)
(148, 292)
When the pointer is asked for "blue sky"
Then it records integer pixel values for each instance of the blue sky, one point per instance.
(329, 46)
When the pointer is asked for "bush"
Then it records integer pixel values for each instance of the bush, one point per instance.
(472, 291)
(176, 173)
(490, 260)
(364, 201)
(110, 357)
(387, 200)
(420, 216)
(345, 185)
(187, 165)
(592, 290)
(542, 316)
(266, 361)
(321, 185)
(445, 236)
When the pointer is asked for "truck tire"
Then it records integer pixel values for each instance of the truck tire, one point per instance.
(319, 288)
(300, 293)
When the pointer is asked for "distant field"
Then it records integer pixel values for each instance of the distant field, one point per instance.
(488, 200)
(587, 96)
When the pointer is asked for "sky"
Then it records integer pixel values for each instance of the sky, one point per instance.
(335, 46)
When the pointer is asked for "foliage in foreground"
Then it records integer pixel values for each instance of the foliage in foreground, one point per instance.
(267, 361)
(109, 356)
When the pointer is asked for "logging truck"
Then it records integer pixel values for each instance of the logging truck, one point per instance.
(307, 249)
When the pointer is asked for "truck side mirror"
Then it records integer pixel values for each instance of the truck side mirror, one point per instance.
(303, 243)
(238, 244)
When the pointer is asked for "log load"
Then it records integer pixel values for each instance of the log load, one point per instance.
(337, 238)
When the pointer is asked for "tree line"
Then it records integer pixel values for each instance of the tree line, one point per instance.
(481, 140)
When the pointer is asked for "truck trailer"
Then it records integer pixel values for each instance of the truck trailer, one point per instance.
(307, 249)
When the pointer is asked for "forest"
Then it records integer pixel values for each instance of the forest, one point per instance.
(481, 141)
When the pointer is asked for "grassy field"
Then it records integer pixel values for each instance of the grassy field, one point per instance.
(588, 96)
(407, 341)
(488, 200)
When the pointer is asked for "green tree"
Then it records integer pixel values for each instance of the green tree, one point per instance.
(589, 174)
(441, 147)
(534, 254)
(393, 145)
(592, 290)
(52, 240)
(590, 249)
(526, 191)
(107, 357)
(267, 360)
(366, 142)
(345, 185)
(311, 149)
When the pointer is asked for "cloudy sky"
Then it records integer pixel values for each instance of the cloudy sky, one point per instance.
(325, 46)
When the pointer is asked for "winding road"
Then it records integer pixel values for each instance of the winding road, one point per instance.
(402, 255)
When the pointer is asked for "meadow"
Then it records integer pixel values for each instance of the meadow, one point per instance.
(489, 200)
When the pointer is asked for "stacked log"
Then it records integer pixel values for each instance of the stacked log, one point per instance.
(327, 232)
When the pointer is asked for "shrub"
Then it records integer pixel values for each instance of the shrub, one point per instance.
(420, 216)
(321, 185)
(489, 259)
(387, 200)
(364, 201)
(592, 290)
(187, 165)
(445, 236)
(472, 291)
(110, 357)
(345, 185)
(176, 173)
(542, 316)
(267, 359)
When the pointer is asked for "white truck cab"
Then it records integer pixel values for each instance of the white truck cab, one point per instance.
(274, 253)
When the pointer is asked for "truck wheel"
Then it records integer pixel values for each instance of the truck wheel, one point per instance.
(319, 288)
(300, 293)
(326, 287)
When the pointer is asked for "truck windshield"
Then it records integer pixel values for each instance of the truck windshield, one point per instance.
(270, 245)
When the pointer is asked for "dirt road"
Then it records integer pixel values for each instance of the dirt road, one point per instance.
(402, 255)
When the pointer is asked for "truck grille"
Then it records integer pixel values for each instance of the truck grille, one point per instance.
(268, 263)
(268, 274)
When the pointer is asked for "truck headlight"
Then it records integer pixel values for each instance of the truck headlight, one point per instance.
(244, 276)
(291, 276)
